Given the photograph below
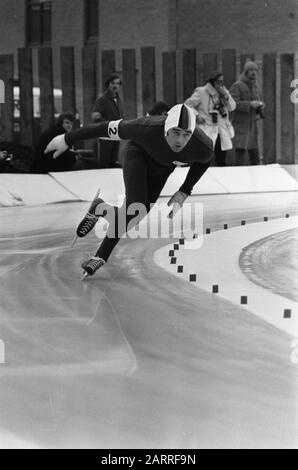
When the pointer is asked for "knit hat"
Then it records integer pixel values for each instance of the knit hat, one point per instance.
(181, 116)
(249, 65)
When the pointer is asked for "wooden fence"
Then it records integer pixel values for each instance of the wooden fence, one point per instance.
(181, 71)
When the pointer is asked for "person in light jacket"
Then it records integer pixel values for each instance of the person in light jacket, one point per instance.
(212, 103)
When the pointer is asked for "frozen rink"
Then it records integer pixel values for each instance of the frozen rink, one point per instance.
(134, 357)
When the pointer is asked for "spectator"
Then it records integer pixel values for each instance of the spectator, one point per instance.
(160, 108)
(108, 107)
(15, 158)
(4, 156)
(249, 108)
(212, 103)
(69, 160)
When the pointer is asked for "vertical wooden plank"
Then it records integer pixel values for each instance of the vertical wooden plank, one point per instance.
(229, 66)
(169, 83)
(6, 115)
(209, 64)
(269, 97)
(244, 58)
(179, 75)
(148, 77)
(189, 72)
(108, 64)
(45, 72)
(68, 79)
(287, 109)
(89, 81)
(27, 124)
(294, 100)
(2, 91)
(129, 83)
(229, 70)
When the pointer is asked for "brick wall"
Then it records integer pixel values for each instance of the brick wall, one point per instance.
(68, 30)
(12, 26)
(133, 23)
(255, 25)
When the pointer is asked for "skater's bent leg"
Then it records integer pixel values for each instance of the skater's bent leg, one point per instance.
(131, 213)
(143, 185)
(125, 218)
(135, 179)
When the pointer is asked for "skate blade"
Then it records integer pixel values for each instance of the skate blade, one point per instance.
(95, 197)
(85, 275)
(74, 241)
(97, 194)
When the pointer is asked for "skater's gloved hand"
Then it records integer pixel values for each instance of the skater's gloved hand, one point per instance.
(177, 201)
(57, 145)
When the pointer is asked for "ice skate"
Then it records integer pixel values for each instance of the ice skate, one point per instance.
(91, 265)
(90, 219)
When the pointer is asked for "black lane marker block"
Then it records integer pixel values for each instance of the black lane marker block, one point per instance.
(208, 230)
(225, 226)
(176, 246)
(173, 260)
(242, 222)
(265, 219)
(287, 313)
(215, 289)
(181, 241)
(192, 277)
(171, 253)
(179, 269)
(243, 299)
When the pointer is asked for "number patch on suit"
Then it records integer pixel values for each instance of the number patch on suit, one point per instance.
(113, 130)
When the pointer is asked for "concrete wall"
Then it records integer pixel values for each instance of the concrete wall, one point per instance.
(26, 189)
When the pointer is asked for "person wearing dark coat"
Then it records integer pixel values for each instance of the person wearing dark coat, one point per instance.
(249, 108)
(45, 163)
(108, 107)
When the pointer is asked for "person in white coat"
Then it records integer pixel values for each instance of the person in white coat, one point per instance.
(212, 104)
